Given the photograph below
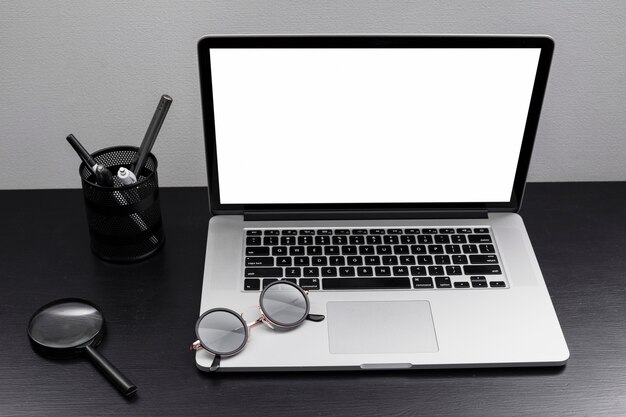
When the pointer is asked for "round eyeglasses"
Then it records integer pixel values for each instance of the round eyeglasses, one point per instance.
(223, 332)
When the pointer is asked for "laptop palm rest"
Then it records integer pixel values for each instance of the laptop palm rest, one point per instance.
(381, 327)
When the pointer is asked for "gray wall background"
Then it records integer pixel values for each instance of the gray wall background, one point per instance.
(97, 69)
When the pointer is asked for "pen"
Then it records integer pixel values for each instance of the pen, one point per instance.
(151, 134)
(103, 175)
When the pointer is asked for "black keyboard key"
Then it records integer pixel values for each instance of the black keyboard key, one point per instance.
(263, 272)
(295, 281)
(329, 271)
(319, 261)
(322, 240)
(425, 240)
(342, 231)
(372, 260)
(288, 240)
(464, 230)
(481, 230)
(383, 271)
(479, 239)
(401, 249)
(283, 261)
(301, 261)
(268, 281)
(462, 284)
(364, 271)
(314, 250)
(443, 282)
(279, 250)
(347, 271)
(383, 250)
(442, 239)
(469, 248)
(367, 250)
(365, 283)
(448, 231)
(399, 271)
(418, 270)
(272, 232)
(290, 232)
(331, 250)
(324, 232)
(377, 231)
(305, 240)
(453, 270)
(296, 250)
(359, 231)
(311, 271)
(337, 260)
(418, 249)
(435, 270)
(459, 259)
(391, 240)
(497, 284)
(453, 249)
(407, 239)
(349, 250)
(253, 241)
(422, 282)
(407, 260)
(479, 284)
(253, 232)
(483, 259)
(307, 232)
(270, 240)
(257, 251)
(487, 249)
(394, 231)
(340, 240)
(442, 259)
(390, 260)
(357, 240)
(355, 260)
(412, 231)
(429, 231)
(374, 240)
(293, 272)
(482, 269)
(424, 259)
(459, 239)
(434, 249)
(251, 284)
(309, 283)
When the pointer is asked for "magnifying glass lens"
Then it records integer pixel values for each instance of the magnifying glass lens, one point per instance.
(222, 332)
(65, 325)
(284, 304)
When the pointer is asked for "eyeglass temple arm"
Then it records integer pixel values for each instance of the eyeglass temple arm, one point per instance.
(216, 363)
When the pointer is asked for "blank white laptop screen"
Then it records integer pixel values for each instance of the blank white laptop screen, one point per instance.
(369, 125)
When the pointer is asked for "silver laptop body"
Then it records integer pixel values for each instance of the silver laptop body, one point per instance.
(382, 174)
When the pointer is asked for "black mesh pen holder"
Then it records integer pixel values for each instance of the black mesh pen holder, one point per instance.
(124, 220)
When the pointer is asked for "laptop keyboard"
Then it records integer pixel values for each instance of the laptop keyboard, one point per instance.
(418, 258)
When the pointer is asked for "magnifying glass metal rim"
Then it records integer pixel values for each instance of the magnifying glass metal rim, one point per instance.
(70, 351)
(276, 322)
(227, 310)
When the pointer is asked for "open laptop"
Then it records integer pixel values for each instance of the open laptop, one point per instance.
(383, 175)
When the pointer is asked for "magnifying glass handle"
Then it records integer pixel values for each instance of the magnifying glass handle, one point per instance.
(123, 384)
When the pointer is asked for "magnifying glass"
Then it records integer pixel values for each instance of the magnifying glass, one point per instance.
(70, 327)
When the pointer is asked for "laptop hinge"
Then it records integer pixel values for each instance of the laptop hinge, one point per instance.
(363, 214)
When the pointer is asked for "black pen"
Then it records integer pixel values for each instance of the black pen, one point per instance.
(102, 173)
(151, 134)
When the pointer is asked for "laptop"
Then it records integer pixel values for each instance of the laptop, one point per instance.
(383, 175)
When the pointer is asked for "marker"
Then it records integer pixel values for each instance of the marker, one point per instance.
(102, 173)
(151, 134)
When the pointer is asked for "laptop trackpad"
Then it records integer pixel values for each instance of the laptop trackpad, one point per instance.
(381, 327)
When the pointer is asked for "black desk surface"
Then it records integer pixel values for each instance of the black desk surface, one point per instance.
(578, 231)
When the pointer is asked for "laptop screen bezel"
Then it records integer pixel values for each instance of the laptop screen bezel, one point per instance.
(544, 43)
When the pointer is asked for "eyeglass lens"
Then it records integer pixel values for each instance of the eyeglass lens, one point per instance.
(222, 332)
(284, 305)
